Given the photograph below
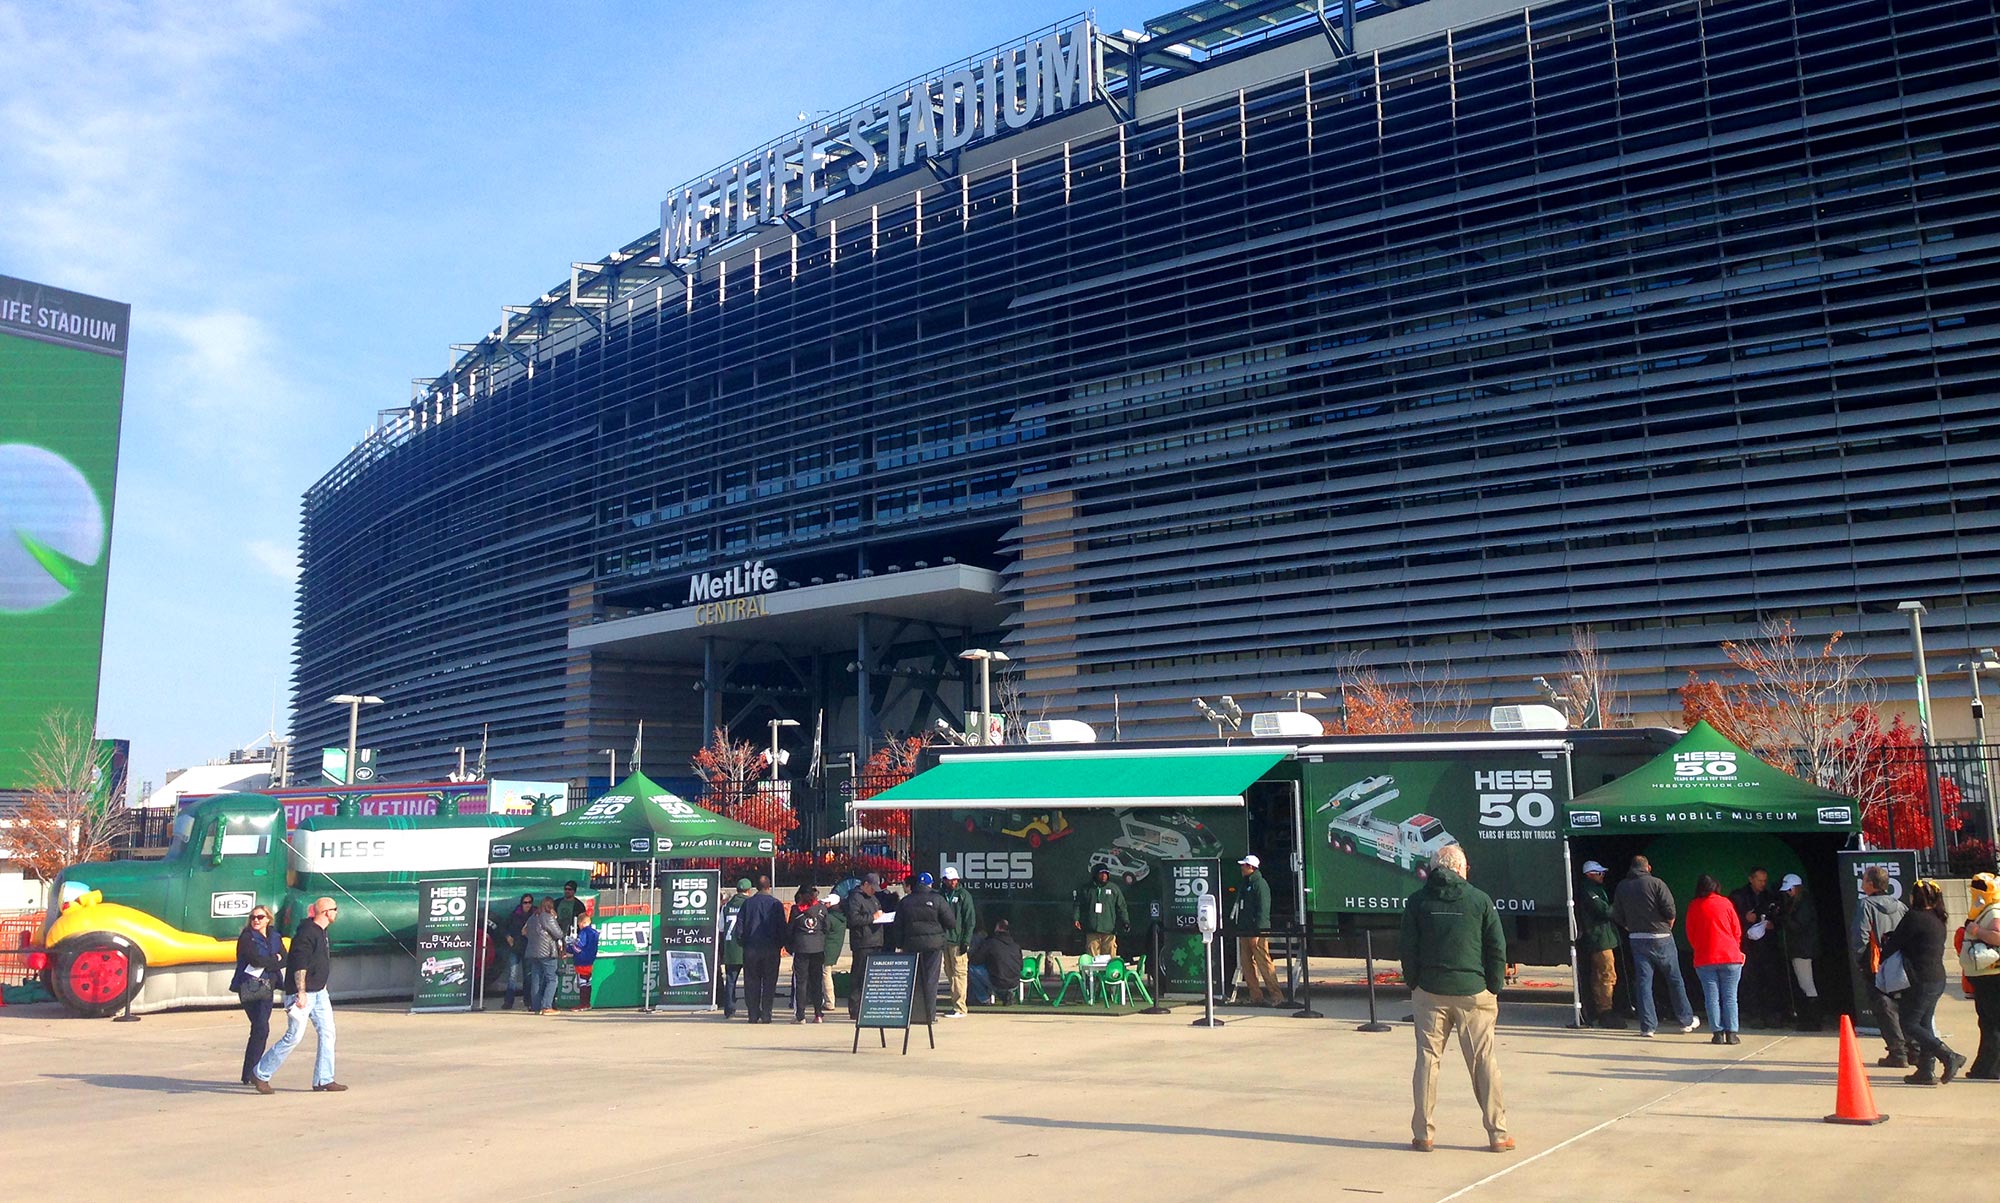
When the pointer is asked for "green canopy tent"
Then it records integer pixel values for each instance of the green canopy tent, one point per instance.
(1705, 805)
(1704, 783)
(636, 820)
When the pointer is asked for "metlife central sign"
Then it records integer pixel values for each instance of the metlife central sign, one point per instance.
(921, 124)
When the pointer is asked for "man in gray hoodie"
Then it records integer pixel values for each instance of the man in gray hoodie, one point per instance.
(1876, 914)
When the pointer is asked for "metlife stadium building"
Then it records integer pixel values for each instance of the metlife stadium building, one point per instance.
(1272, 339)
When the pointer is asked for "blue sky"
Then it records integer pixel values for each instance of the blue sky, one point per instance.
(306, 204)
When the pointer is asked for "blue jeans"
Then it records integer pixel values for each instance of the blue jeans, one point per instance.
(318, 1012)
(1718, 993)
(1918, 1007)
(541, 983)
(1658, 956)
(509, 972)
(979, 984)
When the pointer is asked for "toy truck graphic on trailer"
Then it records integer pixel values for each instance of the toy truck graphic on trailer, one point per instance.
(163, 933)
(1407, 844)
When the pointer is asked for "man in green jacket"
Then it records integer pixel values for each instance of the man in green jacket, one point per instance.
(1455, 960)
(960, 942)
(1597, 944)
(1101, 914)
(732, 951)
(1253, 947)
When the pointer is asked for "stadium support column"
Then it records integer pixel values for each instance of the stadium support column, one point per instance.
(864, 660)
(708, 706)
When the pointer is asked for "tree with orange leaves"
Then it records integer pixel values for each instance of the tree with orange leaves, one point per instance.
(732, 772)
(1372, 706)
(888, 766)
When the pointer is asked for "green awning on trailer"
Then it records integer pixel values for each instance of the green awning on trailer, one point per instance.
(1706, 783)
(1046, 780)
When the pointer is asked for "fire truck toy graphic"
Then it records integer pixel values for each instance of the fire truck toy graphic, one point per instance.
(1407, 844)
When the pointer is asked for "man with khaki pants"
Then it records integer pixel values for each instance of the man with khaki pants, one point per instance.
(1253, 947)
(960, 944)
(1455, 960)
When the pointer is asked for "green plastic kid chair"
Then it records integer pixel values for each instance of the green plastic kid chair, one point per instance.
(1124, 979)
(1084, 976)
(1031, 978)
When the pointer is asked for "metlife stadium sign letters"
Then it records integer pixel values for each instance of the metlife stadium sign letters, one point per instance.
(1009, 90)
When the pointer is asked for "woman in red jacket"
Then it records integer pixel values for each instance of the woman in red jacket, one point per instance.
(1716, 935)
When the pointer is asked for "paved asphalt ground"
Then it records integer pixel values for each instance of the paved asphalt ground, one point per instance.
(623, 1106)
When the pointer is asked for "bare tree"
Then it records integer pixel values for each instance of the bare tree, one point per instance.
(1441, 700)
(1808, 695)
(1372, 706)
(1595, 698)
(75, 809)
(1009, 700)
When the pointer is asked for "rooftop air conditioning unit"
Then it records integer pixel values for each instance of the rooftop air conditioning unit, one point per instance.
(1286, 722)
(1061, 731)
(1535, 717)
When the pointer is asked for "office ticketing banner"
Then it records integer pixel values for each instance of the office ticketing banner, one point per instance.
(62, 385)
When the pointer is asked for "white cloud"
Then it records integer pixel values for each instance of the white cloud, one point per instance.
(278, 559)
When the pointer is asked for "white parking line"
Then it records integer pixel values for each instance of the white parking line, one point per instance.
(1592, 1131)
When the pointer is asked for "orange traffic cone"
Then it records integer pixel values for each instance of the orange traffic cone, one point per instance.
(1853, 1100)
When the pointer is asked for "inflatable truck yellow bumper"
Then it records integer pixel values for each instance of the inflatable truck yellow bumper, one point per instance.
(162, 944)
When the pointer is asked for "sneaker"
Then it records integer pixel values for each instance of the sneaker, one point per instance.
(1690, 1025)
(1644, 1034)
(1734, 1038)
(331, 1087)
(819, 1019)
(1719, 1038)
(1503, 1145)
(1421, 1146)
(262, 1086)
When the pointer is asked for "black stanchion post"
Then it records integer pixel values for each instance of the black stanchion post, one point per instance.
(1305, 1010)
(1159, 1006)
(1373, 1024)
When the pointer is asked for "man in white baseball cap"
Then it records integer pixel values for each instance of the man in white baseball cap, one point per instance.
(1597, 944)
(1253, 948)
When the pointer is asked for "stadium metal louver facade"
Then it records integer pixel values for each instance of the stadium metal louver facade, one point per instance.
(1412, 351)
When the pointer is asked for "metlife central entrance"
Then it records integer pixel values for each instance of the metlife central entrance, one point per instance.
(850, 661)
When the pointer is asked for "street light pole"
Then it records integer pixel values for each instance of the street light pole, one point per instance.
(1915, 609)
(775, 724)
(1989, 660)
(986, 659)
(612, 780)
(354, 702)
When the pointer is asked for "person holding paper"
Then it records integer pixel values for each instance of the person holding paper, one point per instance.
(1766, 1000)
(864, 938)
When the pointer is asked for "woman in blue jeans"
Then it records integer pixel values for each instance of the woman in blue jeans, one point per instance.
(1715, 933)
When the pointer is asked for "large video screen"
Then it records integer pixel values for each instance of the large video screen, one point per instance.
(62, 382)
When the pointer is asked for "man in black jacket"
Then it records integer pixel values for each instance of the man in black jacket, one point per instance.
(864, 938)
(997, 963)
(1644, 907)
(924, 921)
(1766, 999)
(760, 928)
(308, 967)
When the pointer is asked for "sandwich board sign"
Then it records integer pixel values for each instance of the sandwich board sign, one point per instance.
(888, 990)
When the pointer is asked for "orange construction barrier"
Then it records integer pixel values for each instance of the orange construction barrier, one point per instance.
(1853, 1100)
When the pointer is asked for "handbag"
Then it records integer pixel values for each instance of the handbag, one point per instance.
(1978, 959)
(1893, 977)
(254, 989)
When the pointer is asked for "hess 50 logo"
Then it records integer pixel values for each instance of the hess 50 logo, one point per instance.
(989, 866)
(1507, 796)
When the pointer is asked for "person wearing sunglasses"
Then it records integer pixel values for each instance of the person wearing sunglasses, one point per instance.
(309, 966)
(260, 964)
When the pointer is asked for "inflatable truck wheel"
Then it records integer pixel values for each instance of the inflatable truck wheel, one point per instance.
(1034, 839)
(94, 973)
